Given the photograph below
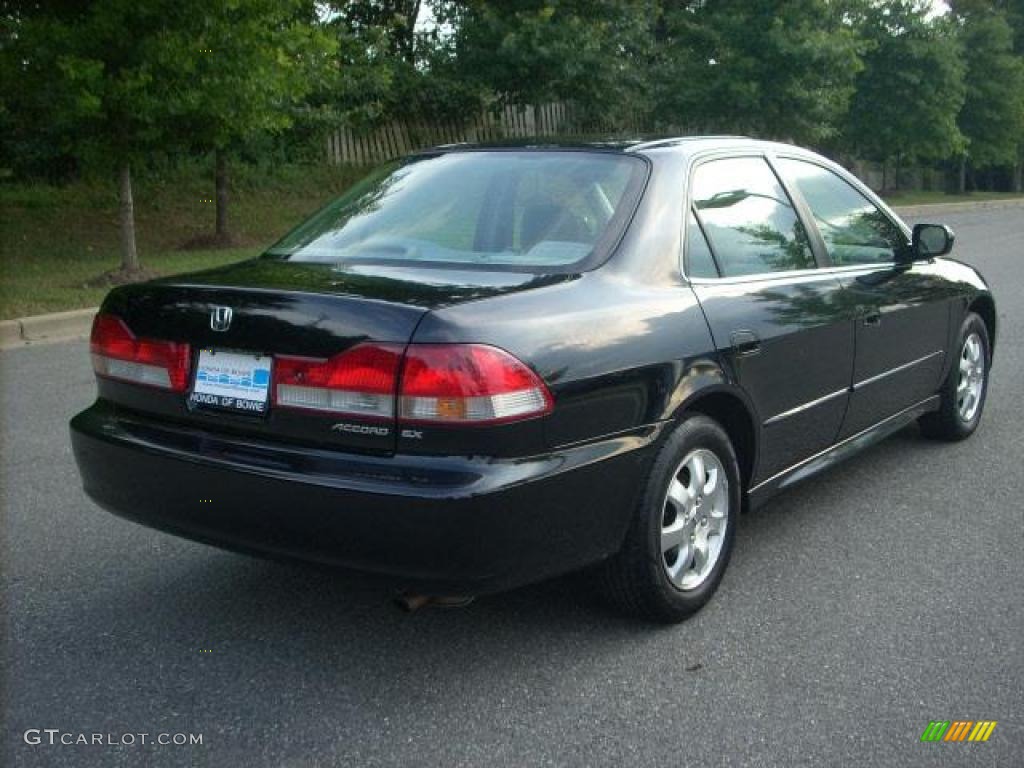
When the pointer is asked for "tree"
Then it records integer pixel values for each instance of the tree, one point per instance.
(234, 70)
(389, 25)
(116, 81)
(391, 67)
(529, 51)
(101, 97)
(1015, 18)
(777, 68)
(911, 89)
(992, 118)
(1013, 12)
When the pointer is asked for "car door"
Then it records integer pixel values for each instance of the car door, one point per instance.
(777, 320)
(901, 310)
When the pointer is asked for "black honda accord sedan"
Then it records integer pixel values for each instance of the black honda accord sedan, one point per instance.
(485, 366)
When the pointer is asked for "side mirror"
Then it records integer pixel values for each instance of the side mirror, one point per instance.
(930, 240)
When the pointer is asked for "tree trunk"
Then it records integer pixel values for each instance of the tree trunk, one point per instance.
(126, 222)
(885, 176)
(405, 37)
(221, 181)
(961, 182)
(1018, 177)
(896, 174)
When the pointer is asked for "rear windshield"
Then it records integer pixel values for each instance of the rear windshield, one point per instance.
(536, 210)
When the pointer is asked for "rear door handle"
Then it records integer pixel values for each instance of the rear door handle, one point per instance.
(745, 342)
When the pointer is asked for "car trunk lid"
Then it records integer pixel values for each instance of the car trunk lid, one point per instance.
(264, 310)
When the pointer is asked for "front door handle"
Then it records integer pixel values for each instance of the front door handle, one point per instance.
(745, 342)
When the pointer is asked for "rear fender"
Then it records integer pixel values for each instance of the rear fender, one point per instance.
(709, 391)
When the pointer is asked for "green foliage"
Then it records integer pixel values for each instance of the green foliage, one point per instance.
(231, 70)
(777, 68)
(129, 78)
(992, 119)
(388, 67)
(911, 88)
(117, 81)
(593, 53)
(81, 79)
(1015, 18)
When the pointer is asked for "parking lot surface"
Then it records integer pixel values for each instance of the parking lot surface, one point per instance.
(858, 607)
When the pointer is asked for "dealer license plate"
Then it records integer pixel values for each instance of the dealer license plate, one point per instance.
(231, 380)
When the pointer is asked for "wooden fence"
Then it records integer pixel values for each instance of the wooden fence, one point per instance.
(347, 145)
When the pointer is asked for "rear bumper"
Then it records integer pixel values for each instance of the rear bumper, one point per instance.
(440, 523)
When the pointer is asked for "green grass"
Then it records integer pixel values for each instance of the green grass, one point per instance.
(53, 240)
(925, 198)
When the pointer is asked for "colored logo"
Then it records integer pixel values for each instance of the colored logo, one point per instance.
(959, 730)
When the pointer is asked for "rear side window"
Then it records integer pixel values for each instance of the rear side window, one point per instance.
(748, 218)
(855, 231)
(699, 261)
(535, 210)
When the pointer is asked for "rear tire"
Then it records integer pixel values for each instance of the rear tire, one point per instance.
(682, 534)
(966, 386)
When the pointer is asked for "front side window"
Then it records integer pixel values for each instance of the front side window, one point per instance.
(855, 231)
(748, 218)
(534, 210)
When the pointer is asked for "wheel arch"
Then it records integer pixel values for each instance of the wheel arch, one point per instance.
(729, 408)
(985, 307)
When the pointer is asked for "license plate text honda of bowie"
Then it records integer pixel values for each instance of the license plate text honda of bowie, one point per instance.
(485, 366)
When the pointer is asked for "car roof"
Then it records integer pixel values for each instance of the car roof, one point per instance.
(626, 145)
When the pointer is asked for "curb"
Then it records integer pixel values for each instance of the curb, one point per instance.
(42, 329)
(926, 209)
(10, 333)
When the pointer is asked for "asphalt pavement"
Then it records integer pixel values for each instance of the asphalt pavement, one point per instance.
(857, 608)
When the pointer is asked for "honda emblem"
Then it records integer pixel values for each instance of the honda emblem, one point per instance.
(220, 318)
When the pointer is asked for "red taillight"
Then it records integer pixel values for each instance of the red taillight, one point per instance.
(440, 383)
(468, 384)
(359, 382)
(117, 353)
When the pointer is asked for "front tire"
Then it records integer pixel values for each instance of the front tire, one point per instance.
(682, 535)
(966, 386)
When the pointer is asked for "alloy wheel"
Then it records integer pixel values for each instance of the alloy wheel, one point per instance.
(972, 377)
(695, 514)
